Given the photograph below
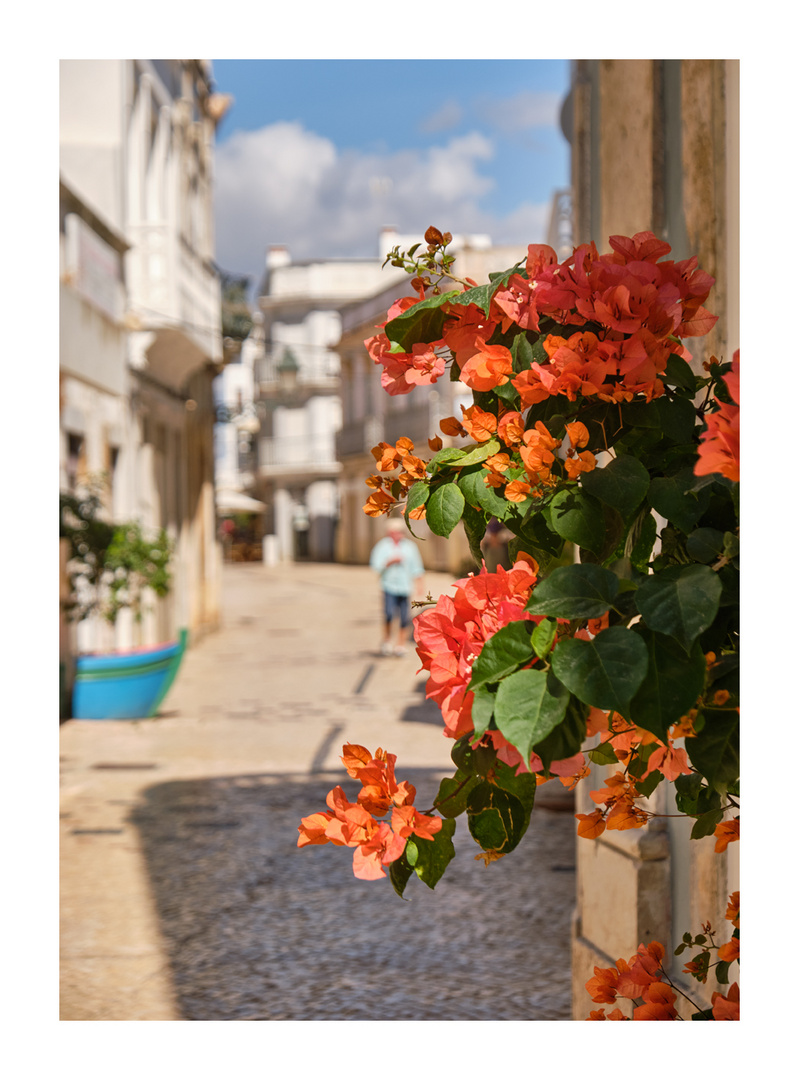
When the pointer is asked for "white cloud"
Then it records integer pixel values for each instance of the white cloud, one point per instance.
(286, 185)
(524, 111)
(446, 117)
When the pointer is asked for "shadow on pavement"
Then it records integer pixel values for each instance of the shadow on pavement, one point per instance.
(258, 929)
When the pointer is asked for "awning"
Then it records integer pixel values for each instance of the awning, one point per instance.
(236, 502)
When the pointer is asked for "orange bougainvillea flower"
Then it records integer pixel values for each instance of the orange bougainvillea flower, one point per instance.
(720, 447)
(490, 366)
(615, 1014)
(726, 832)
(517, 491)
(387, 456)
(578, 434)
(435, 443)
(591, 825)
(450, 426)
(671, 761)
(733, 912)
(511, 428)
(729, 1007)
(583, 462)
(731, 951)
(480, 424)
(378, 504)
(658, 1003)
(602, 987)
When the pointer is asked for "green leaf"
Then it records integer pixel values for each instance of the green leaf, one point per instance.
(478, 493)
(474, 525)
(622, 484)
(678, 373)
(673, 498)
(579, 518)
(714, 751)
(680, 601)
(479, 453)
(706, 824)
(435, 855)
(705, 545)
(422, 322)
(579, 591)
(543, 638)
(603, 754)
(529, 705)
(677, 418)
(399, 873)
(567, 738)
(502, 654)
(605, 672)
(642, 548)
(497, 819)
(445, 509)
(453, 793)
(674, 682)
(522, 786)
(447, 457)
(482, 709)
(417, 496)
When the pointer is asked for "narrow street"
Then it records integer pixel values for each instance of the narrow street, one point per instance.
(183, 893)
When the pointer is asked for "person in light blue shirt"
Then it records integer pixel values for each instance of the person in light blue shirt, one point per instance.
(397, 560)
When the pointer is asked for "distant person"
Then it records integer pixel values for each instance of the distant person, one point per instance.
(397, 560)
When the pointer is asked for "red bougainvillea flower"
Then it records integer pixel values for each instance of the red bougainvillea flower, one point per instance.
(602, 987)
(450, 636)
(514, 304)
(658, 1003)
(720, 445)
(466, 326)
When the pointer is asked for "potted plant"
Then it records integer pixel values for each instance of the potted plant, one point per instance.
(111, 567)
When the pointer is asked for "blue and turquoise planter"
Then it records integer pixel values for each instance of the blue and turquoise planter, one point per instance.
(125, 686)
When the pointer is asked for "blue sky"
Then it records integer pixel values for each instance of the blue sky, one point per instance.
(319, 154)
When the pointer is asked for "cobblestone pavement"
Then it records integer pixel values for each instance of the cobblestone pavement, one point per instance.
(184, 895)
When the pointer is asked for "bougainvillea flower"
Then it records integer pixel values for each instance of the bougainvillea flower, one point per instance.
(726, 832)
(615, 1014)
(450, 426)
(578, 434)
(488, 367)
(671, 761)
(517, 491)
(379, 503)
(730, 951)
(514, 304)
(387, 456)
(510, 428)
(729, 1007)
(602, 987)
(466, 326)
(720, 444)
(733, 912)
(450, 636)
(480, 424)
(581, 463)
(658, 1003)
(591, 826)
(407, 821)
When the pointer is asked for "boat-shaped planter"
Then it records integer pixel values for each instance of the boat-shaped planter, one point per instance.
(126, 685)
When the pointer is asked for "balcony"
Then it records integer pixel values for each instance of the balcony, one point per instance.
(297, 457)
(358, 437)
(312, 373)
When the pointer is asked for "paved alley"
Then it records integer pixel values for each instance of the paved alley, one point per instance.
(183, 893)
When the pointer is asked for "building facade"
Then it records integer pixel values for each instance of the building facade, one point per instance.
(299, 400)
(655, 146)
(140, 323)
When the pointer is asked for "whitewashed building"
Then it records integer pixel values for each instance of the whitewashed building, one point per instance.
(140, 323)
(299, 401)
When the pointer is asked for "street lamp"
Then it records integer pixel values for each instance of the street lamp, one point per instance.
(287, 373)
